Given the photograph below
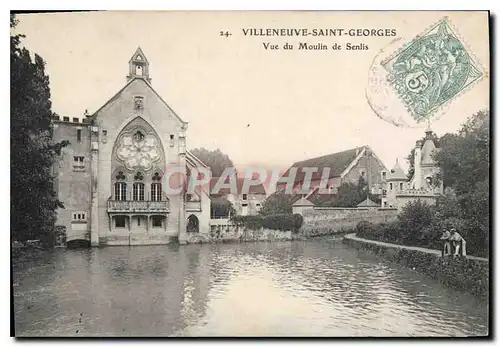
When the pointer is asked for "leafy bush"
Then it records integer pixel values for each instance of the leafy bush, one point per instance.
(249, 222)
(220, 207)
(275, 222)
(277, 203)
(348, 195)
(365, 229)
(415, 217)
(418, 225)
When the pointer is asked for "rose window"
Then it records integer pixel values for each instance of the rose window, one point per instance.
(138, 150)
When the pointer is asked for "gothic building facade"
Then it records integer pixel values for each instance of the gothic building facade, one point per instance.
(111, 177)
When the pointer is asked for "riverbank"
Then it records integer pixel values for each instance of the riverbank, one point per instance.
(243, 235)
(469, 274)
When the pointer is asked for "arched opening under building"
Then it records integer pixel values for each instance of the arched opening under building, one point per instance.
(78, 243)
(193, 225)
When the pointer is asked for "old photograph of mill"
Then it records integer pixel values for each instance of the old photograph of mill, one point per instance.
(250, 174)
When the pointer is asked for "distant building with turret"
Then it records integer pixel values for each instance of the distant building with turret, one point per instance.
(399, 189)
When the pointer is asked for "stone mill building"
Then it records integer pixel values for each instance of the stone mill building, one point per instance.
(110, 177)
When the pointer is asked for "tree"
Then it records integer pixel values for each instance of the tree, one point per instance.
(278, 203)
(216, 160)
(465, 162)
(349, 195)
(414, 219)
(33, 198)
(464, 157)
(220, 207)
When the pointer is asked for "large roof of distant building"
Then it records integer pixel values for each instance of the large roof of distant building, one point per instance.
(337, 162)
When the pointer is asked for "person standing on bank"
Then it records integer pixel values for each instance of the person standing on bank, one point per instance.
(458, 243)
(446, 248)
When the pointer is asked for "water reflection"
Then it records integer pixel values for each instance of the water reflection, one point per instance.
(312, 288)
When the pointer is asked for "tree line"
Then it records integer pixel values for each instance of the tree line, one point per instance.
(32, 151)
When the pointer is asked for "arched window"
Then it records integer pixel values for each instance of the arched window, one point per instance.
(156, 187)
(138, 188)
(120, 187)
(138, 70)
(193, 225)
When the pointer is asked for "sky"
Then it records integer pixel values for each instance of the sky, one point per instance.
(266, 108)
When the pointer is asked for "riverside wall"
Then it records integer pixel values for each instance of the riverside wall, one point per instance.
(469, 274)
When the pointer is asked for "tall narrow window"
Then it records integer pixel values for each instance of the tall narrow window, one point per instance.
(390, 186)
(120, 191)
(120, 187)
(138, 192)
(79, 135)
(401, 186)
(156, 191)
(138, 188)
(138, 70)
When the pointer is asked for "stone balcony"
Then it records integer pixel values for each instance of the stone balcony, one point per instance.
(117, 206)
(419, 192)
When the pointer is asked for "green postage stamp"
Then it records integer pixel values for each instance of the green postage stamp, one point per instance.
(431, 70)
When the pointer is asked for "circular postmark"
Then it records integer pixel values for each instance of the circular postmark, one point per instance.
(385, 98)
(413, 84)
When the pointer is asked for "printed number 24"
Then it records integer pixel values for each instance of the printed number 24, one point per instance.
(225, 33)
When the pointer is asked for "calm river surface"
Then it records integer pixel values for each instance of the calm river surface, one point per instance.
(302, 288)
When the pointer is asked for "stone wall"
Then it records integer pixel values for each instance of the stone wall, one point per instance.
(231, 233)
(330, 220)
(72, 179)
(465, 273)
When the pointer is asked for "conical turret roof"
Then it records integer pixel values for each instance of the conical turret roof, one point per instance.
(397, 173)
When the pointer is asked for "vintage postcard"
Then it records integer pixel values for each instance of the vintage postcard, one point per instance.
(250, 174)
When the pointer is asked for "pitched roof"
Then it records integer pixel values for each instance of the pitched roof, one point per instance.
(368, 203)
(303, 202)
(195, 160)
(253, 189)
(397, 173)
(138, 52)
(337, 162)
(117, 95)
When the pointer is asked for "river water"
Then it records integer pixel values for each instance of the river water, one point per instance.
(300, 288)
